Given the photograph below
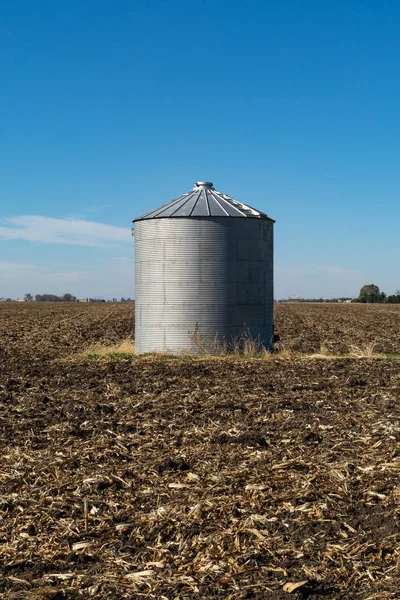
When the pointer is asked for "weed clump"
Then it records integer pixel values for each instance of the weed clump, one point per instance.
(212, 344)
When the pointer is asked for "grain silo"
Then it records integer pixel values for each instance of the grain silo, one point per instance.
(203, 273)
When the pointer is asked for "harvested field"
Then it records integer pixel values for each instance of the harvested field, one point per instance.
(50, 330)
(159, 477)
(53, 330)
(338, 328)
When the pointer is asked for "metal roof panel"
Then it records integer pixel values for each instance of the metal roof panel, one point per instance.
(203, 201)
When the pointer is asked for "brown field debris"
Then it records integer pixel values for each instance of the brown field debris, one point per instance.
(338, 328)
(184, 478)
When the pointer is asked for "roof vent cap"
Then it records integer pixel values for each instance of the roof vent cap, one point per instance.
(203, 185)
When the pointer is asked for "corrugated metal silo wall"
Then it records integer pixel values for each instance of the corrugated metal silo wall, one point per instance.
(214, 272)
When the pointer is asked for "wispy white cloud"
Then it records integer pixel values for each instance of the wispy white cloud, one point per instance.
(36, 228)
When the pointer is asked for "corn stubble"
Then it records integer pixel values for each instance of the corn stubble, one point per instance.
(160, 477)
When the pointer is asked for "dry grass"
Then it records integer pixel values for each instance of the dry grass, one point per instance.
(126, 347)
(206, 343)
(212, 350)
(212, 344)
(364, 351)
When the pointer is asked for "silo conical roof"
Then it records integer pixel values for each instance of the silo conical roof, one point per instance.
(203, 201)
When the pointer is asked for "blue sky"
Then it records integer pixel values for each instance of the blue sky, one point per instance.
(109, 109)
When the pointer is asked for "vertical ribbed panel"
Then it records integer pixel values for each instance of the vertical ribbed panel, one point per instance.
(212, 276)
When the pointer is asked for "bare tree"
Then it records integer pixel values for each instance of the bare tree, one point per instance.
(69, 298)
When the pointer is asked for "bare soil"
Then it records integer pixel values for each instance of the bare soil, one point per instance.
(338, 328)
(160, 477)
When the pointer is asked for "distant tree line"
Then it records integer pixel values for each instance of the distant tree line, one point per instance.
(371, 294)
(66, 298)
(318, 300)
(50, 298)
